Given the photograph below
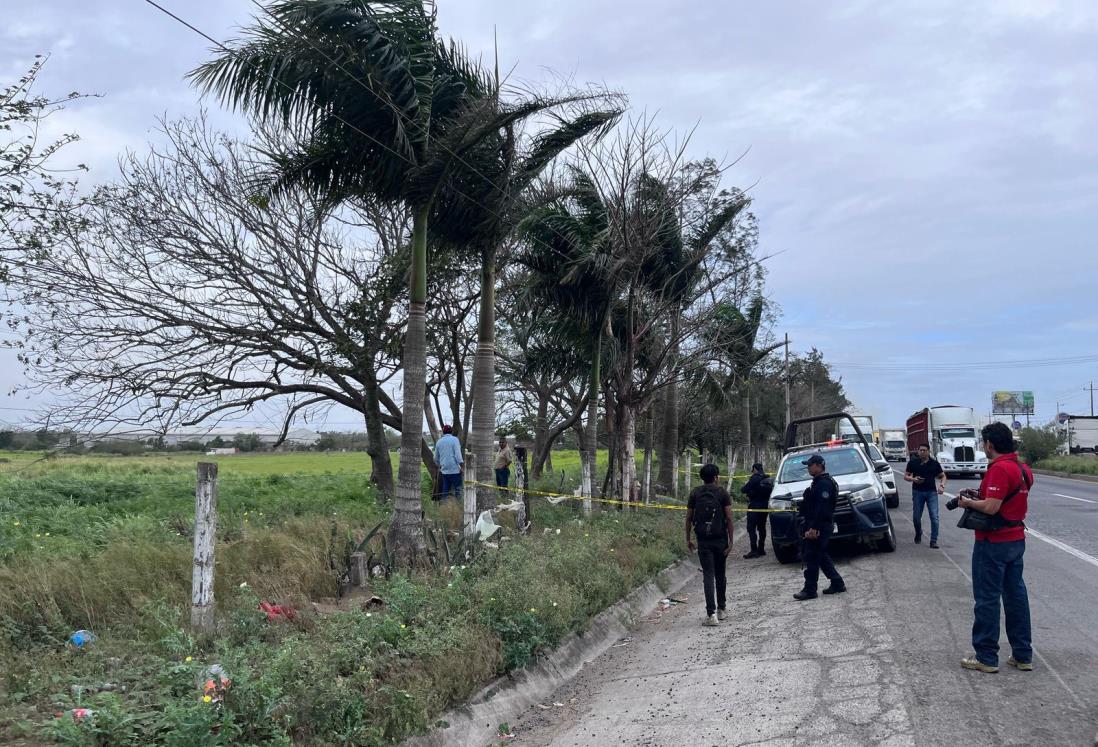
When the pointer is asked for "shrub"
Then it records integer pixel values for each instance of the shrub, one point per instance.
(1038, 444)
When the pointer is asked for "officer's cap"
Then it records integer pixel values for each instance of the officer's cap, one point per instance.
(814, 459)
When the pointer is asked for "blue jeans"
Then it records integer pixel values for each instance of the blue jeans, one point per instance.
(503, 476)
(928, 498)
(450, 483)
(997, 574)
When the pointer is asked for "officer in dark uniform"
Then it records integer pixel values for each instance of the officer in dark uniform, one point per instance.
(817, 518)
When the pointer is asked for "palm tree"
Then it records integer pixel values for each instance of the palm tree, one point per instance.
(371, 105)
(489, 203)
(573, 270)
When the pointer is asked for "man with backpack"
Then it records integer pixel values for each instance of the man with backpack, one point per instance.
(709, 514)
(757, 490)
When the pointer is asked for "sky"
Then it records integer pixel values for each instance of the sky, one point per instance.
(925, 173)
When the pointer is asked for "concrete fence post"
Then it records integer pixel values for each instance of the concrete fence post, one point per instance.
(205, 536)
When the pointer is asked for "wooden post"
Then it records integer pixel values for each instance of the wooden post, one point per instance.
(205, 535)
(524, 516)
(469, 496)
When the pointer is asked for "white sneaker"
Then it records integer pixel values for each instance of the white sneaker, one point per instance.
(721, 614)
(711, 621)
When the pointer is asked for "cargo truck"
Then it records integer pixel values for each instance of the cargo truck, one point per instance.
(1082, 433)
(951, 432)
(894, 444)
(846, 428)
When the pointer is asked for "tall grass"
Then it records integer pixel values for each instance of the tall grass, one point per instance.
(105, 544)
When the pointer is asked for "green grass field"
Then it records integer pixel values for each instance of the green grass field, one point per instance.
(104, 543)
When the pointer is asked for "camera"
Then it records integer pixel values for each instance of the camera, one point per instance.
(952, 503)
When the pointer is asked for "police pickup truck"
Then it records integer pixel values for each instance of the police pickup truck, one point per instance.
(861, 511)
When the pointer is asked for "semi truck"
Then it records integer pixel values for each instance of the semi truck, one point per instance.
(951, 432)
(1082, 433)
(894, 444)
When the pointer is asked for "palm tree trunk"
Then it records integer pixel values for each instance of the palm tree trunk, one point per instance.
(541, 433)
(484, 390)
(377, 445)
(587, 461)
(627, 445)
(649, 441)
(405, 535)
(669, 443)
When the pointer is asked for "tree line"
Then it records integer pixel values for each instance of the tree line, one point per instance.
(409, 236)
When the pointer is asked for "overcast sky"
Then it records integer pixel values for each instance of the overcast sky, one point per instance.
(926, 172)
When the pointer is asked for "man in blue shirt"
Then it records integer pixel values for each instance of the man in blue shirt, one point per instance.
(450, 463)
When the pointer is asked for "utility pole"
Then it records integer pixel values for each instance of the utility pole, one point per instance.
(1091, 388)
(785, 372)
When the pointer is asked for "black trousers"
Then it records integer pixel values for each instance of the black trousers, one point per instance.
(816, 559)
(711, 555)
(756, 525)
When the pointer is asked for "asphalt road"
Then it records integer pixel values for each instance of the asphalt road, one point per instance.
(878, 665)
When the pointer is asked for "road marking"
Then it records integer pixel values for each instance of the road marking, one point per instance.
(1084, 500)
(1066, 548)
(1044, 662)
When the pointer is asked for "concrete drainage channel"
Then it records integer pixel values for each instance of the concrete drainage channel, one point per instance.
(507, 698)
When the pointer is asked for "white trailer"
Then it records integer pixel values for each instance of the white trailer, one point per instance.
(1082, 432)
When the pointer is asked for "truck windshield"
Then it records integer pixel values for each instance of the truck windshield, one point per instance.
(958, 432)
(894, 444)
(839, 462)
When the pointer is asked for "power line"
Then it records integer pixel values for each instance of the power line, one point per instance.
(968, 365)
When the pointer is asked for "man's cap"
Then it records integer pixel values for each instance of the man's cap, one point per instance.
(814, 459)
(447, 428)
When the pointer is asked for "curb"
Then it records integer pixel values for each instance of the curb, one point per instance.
(1068, 476)
(477, 722)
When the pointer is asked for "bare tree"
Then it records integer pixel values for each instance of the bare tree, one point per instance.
(181, 295)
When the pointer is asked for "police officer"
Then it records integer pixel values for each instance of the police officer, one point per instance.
(816, 513)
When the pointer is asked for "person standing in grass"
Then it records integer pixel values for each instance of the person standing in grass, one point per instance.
(450, 462)
(709, 514)
(504, 457)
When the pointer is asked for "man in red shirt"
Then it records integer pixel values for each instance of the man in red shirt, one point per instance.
(997, 556)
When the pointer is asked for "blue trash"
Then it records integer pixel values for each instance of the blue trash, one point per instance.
(82, 638)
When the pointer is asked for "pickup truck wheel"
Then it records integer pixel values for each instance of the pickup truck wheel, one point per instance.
(785, 553)
(888, 542)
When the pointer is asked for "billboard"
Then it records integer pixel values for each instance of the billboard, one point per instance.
(1012, 403)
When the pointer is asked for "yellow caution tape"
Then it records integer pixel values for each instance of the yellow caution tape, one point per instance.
(613, 501)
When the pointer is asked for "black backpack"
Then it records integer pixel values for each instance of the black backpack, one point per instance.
(708, 513)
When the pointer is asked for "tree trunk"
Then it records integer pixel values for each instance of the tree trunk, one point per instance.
(377, 445)
(675, 474)
(730, 460)
(405, 535)
(748, 447)
(590, 451)
(541, 433)
(484, 385)
(627, 449)
(649, 440)
(669, 443)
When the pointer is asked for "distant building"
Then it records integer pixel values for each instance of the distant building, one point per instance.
(266, 436)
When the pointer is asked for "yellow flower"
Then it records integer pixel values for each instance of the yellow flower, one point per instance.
(15, 523)
(533, 609)
(36, 536)
(403, 626)
(189, 659)
(206, 699)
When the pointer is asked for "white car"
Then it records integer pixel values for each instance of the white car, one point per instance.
(885, 474)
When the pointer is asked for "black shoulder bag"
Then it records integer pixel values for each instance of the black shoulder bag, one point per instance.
(980, 522)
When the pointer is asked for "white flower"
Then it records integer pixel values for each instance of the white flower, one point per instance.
(244, 585)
